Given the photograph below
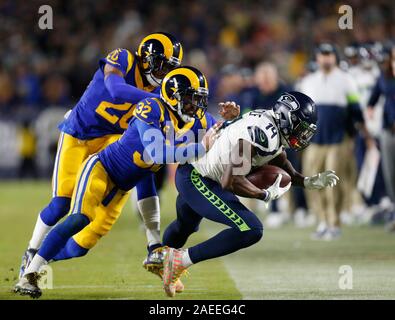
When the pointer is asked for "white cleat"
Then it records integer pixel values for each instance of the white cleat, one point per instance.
(28, 285)
(173, 269)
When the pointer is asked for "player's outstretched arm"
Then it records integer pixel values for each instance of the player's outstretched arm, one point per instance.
(319, 181)
(120, 90)
(155, 144)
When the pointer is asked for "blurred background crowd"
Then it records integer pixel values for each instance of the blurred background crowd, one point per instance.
(250, 51)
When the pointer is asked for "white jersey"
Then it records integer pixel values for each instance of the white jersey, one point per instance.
(332, 89)
(366, 79)
(258, 128)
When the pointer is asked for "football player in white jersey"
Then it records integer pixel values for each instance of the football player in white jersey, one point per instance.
(208, 187)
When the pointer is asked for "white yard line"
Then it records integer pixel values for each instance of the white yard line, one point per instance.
(238, 280)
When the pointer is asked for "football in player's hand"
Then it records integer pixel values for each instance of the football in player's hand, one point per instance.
(264, 176)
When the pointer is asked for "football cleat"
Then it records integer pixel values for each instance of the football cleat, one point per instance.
(173, 269)
(26, 259)
(20, 284)
(28, 285)
(154, 263)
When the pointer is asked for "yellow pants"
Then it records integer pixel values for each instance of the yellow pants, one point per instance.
(69, 161)
(97, 197)
(70, 155)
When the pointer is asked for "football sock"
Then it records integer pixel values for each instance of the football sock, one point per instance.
(186, 260)
(36, 264)
(39, 233)
(150, 212)
(49, 216)
(153, 247)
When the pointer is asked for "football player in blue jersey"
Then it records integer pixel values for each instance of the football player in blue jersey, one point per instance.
(163, 130)
(97, 120)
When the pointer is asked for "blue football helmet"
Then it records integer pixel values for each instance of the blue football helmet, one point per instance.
(296, 117)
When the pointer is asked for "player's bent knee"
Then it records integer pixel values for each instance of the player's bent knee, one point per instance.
(252, 236)
(185, 227)
(87, 238)
(56, 210)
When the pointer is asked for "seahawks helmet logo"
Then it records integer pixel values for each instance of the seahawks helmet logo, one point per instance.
(289, 101)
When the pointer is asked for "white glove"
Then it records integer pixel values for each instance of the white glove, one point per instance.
(275, 191)
(321, 180)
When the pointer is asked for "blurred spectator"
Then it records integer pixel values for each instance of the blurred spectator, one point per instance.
(230, 85)
(385, 86)
(238, 32)
(334, 92)
(246, 98)
(56, 91)
(27, 167)
(269, 86)
(7, 93)
(28, 86)
(364, 69)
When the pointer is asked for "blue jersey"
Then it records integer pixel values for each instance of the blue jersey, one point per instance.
(97, 114)
(125, 160)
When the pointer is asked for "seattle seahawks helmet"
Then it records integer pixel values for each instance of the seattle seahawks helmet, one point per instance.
(159, 53)
(296, 117)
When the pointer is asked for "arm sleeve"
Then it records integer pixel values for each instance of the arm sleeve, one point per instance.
(375, 95)
(121, 91)
(161, 153)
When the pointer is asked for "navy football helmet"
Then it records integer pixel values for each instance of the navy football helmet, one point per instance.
(160, 53)
(296, 117)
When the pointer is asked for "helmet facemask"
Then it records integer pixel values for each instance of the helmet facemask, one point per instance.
(191, 103)
(158, 67)
(295, 133)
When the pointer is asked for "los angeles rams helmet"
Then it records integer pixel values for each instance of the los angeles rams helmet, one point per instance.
(160, 53)
(296, 117)
(185, 90)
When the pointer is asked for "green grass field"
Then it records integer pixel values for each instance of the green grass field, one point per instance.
(286, 264)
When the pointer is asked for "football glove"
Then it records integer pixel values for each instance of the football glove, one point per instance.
(321, 180)
(275, 191)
